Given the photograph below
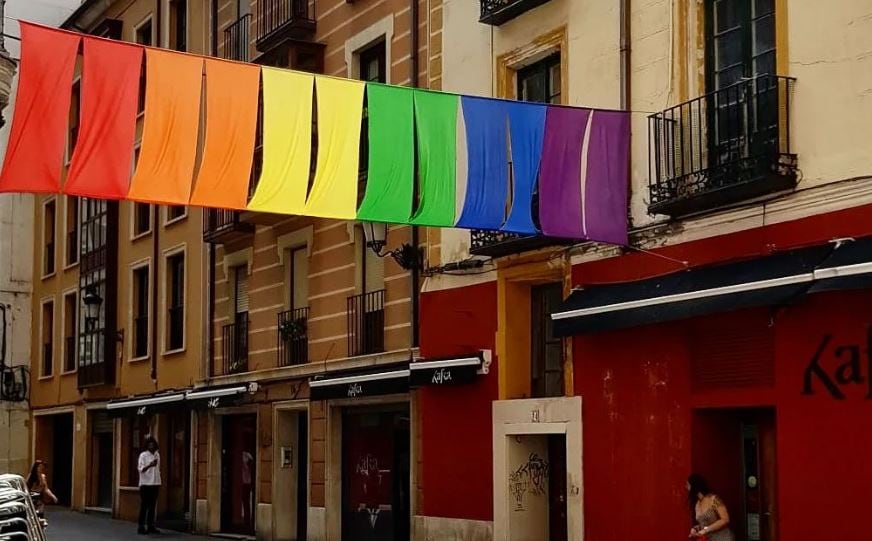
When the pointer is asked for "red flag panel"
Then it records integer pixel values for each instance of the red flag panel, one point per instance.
(35, 153)
(101, 163)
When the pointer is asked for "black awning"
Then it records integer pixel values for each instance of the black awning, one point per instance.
(771, 280)
(146, 405)
(358, 383)
(447, 371)
(218, 397)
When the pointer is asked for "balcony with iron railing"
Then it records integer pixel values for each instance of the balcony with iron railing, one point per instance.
(237, 39)
(293, 337)
(723, 148)
(501, 243)
(497, 12)
(222, 225)
(280, 20)
(366, 323)
(235, 345)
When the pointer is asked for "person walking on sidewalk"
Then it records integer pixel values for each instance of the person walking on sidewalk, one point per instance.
(149, 486)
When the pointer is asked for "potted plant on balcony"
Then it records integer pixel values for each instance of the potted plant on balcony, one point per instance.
(293, 329)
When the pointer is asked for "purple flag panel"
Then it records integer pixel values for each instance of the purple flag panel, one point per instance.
(560, 174)
(605, 188)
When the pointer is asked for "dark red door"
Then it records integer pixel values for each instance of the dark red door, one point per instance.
(375, 475)
(238, 473)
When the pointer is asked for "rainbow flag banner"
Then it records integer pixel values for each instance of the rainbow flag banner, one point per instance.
(474, 162)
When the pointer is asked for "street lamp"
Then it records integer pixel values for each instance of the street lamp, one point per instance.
(92, 301)
(406, 256)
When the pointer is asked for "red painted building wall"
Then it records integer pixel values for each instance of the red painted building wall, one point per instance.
(641, 436)
(456, 433)
(639, 445)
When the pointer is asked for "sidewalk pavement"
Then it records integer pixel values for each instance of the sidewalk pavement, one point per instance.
(64, 525)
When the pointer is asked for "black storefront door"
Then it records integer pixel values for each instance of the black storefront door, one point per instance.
(375, 474)
(61, 466)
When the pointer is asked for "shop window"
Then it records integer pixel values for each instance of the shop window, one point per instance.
(138, 430)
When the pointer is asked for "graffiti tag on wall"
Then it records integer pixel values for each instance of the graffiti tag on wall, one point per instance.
(531, 478)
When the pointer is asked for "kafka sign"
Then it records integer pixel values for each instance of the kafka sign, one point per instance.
(836, 367)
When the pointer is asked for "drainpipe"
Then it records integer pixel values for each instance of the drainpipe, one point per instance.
(214, 27)
(415, 16)
(625, 54)
(155, 241)
(626, 89)
(155, 265)
(210, 324)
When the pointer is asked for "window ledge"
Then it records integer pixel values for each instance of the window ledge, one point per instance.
(139, 359)
(138, 236)
(49, 275)
(68, 266)
(69, 373)
(176, 351)
(46, 378)
(174, 221)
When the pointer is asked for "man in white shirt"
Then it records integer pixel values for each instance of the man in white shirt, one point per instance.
(149, 486)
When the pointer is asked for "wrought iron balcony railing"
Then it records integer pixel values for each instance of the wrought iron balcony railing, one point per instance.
(221, 225)
(293, 342)
(728, 146)
(499, 243)
(237, 40)
(278, 20)
(497, 12)
(366, 323)
(235, 340)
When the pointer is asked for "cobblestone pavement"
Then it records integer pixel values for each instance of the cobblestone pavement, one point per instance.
(69, 526)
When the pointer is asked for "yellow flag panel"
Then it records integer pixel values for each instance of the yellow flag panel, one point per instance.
(340, 108)
(287, 142)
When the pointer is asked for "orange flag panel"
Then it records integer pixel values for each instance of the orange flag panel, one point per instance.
(172, 120)
(231, 121)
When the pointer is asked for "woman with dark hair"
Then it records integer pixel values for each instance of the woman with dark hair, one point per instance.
(149, 486)
(37, 484)
(707, 511)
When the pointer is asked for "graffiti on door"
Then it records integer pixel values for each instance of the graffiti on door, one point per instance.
(531, 478)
